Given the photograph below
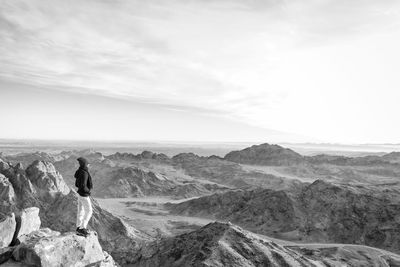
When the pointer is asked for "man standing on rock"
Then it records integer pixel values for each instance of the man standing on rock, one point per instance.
(84, 183)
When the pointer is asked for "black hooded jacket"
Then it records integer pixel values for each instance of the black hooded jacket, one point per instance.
(83, 181)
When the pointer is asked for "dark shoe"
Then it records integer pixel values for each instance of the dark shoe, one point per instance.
(86, 231)
(81, 232)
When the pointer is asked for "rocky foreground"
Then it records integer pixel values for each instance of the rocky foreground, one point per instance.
(40, 185)
(24, 243)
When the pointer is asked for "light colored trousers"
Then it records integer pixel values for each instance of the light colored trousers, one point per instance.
(84, 212)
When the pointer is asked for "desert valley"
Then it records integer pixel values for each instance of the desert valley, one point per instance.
(263, 205)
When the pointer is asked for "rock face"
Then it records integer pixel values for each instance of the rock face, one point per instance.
(49, 248)
(7, 229)
(320, 212)
(46, 179)
(265, 154)
(220, 244)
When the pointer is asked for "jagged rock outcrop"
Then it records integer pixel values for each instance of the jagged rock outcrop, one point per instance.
(265, 154)
(46, 179)
(7, 229)
(223, 244)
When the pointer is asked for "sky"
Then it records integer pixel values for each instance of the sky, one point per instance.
(201, 70)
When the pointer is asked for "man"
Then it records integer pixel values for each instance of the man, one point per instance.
(84, 183)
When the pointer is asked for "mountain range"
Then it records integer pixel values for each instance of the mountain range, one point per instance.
(274, 206)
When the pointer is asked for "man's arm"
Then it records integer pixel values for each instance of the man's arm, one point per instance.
(89, 183)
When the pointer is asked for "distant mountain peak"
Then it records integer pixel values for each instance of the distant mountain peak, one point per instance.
(265, 154)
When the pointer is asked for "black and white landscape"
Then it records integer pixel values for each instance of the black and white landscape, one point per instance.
(264, 205)
(219, 133)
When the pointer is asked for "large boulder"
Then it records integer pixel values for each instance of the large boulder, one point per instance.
(7, 229)
(28, 221)
(46, 247)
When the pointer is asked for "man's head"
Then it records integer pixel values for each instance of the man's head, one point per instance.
(83, 162)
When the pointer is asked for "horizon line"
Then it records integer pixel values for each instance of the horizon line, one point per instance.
(166, 141)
